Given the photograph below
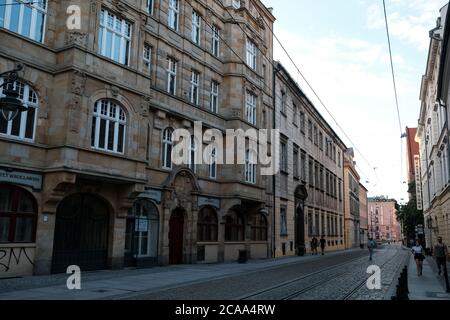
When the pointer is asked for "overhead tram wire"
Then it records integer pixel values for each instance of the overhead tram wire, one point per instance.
(395, 89)
(306, 81)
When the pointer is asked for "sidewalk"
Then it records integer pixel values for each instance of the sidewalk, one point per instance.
(429, 286)
(116, 284)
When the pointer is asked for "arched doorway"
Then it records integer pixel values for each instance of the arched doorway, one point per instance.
(81, 234)
(176, 237)
(142, 235)
(301, 194)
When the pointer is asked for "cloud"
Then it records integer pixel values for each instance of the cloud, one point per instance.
(408, 19)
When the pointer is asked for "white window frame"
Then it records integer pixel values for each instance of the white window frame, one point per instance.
(30, 100)
(109, 23)
(36, 7)
(195, 87)
(250, 167)
(214, 99)
(212, 168)
(167, 142)
(103, 111)
(174, 14)
(193, 145)
(150, 6)
(251, 54)
(250, 108)
(171, 75)
(147, 57)
(196, 27)
(215, 41)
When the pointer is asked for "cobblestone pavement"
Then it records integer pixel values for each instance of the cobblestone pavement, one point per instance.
(336, 277)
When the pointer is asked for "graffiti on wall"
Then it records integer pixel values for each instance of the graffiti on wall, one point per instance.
(13, 258)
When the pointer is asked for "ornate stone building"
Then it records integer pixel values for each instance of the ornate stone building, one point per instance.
(351, 201)
(86, 174)
(309, 189)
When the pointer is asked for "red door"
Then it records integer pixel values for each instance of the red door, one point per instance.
(176, 230)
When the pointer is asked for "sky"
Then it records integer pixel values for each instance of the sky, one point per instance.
(341, 48)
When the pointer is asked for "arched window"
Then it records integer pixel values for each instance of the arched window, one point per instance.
(250, 167)
(108, 127)
(18, 215)
(207, 225)
(234, 227)
(193, 154)
(23, 125)
(259, 228)
(167, 148)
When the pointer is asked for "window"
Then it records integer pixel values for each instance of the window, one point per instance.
(302, 122)
(108, 127)
(251, 108)
(303, 165)
(195, 82)
(114, 38)
(251, 54)
(283, 222)
(234, 227)
(207, 225)
(173, 15)
(284, 156)
(214, 99)
(150, 6)
(26, 18)
(316, 136)
(339, 159)
(18, 215)
(23, 125)
(321, 140)
(283, 102)
(322, 186)
(147, 58)
(295, 121)
(195, 36)
(171, 76)
(316, 175)
(167, 148)
(340, 190)
(296, 163)
(236, 4)
(250, 167)
(258, 228)
(193, 155)
(311, 173)
(310, 130)
(215, 41)
(310, 224)
(213, 163)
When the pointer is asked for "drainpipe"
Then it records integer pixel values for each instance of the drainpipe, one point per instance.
(274, 127)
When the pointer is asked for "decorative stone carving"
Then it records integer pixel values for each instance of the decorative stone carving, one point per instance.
(145, 106)
(78, 83)
(115, 91)
(76, 37)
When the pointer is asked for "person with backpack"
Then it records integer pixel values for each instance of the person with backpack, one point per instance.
(371, 245)
(323, 244)
(314, 245)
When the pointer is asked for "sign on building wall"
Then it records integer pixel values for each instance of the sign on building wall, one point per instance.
(21, 178)
(418, 182)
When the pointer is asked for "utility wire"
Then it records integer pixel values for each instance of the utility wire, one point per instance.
(392, 67)
(306, 81)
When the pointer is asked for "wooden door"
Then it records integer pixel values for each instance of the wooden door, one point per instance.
(176, 237)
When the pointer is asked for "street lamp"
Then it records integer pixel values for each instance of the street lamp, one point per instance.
(10, 105)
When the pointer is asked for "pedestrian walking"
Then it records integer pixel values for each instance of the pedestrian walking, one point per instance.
(314, 245)
(419, 256)
(371, 245)
(323, 244)
(441, 254)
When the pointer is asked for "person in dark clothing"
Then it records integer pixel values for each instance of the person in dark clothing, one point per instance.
(441, 253)
(323, 243)
(314, 245)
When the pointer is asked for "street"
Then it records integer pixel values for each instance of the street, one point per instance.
(335, 276)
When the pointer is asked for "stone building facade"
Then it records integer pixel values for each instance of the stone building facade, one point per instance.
(309, 189)
(383, 223)
(86, 175)
(363, 215)
(351, 201)
(432, 136)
